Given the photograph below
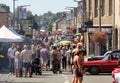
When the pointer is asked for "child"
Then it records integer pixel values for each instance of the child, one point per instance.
(17, 63)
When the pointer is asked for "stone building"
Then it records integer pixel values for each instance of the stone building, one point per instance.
(103, 15)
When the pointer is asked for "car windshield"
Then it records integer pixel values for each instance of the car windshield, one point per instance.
(107, 53)
(106, 57)
(112, 56)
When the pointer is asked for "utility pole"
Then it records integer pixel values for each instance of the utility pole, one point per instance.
(113, 30)
(13, 14)
(14, 18)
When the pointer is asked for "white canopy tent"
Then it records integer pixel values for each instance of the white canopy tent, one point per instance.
(11, 29)
(8, 36)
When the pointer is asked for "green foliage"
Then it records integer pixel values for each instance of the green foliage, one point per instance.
(46, 20)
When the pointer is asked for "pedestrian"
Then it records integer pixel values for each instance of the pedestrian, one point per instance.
(72, 56)
(44, 55)
(79, 46)
(11, 56)
(78, 67)
(38, 48)
(18, 64)
(18, 49)
(26, 59)
(64, 58)
(68, 55)
(33, 50)
(55, 60)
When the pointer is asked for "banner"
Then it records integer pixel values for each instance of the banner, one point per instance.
(81, 8)
(72, 14)
(22, 13)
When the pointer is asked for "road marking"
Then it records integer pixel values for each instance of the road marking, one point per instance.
(66, 79)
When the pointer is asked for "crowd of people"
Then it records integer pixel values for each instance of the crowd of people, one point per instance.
(52, 57)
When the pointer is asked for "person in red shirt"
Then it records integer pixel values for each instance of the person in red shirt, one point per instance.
(77, 39)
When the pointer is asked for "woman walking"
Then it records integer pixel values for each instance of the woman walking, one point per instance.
(78, 67)
(18, 64)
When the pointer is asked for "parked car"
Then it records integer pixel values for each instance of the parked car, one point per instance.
(107, 64)
(116, 75)
(98, 57)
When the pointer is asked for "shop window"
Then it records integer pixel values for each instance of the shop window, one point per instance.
(110, 7)
(96, 8)
(103, 7)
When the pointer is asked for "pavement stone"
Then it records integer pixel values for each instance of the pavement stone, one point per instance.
(4, 78)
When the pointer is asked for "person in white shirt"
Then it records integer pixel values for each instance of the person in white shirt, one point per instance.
(11, 56)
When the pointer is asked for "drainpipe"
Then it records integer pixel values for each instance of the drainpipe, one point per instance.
(99, 11)
(113, 28)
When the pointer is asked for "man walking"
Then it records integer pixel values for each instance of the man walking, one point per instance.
(26, 59)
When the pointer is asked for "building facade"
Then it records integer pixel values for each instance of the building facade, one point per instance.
(105, 14)
(4, 15)
(116, 22)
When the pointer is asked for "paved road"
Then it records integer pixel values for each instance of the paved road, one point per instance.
(49, 77)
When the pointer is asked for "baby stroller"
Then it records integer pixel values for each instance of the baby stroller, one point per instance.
(36, 66)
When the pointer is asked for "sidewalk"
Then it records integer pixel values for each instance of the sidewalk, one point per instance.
(4, 78)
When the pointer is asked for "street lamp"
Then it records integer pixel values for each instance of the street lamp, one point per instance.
(69, 8)
(71, 14)
(24, 5)
(14, 13)
(77, 1)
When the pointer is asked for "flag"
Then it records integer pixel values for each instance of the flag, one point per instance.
(72, 14)
(22, 13)
(68, 15)
(81, 8)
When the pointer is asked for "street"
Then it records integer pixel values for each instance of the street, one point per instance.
(49, 77)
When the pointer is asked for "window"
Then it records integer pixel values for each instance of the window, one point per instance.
(96, 8)
(90, 5)
(90, 10)
(103, 7)
(110, 7)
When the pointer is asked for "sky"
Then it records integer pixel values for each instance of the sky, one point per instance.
(40, 7)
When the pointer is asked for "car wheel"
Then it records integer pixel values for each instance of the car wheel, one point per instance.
(94, 70)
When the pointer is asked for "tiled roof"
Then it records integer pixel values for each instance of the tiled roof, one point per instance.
(4, 8)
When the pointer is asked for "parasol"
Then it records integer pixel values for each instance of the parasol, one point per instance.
(65, 42)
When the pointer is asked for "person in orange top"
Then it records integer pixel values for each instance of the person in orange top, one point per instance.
(77, 40)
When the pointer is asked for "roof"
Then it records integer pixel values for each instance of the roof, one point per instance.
(4, 8)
